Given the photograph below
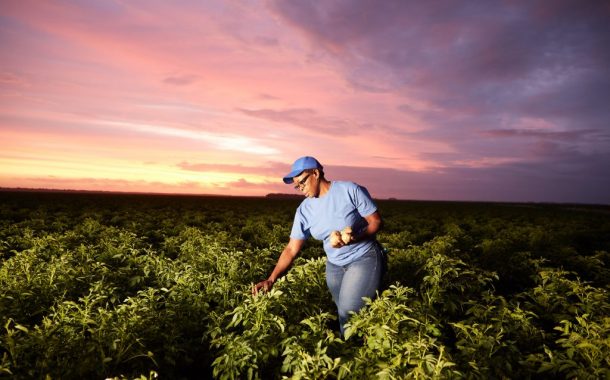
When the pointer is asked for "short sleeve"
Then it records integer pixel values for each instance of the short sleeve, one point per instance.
(299, 229)
(364, 203)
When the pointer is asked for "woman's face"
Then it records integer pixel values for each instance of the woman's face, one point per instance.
(305, 183)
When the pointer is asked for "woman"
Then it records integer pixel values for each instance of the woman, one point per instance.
(355, 262)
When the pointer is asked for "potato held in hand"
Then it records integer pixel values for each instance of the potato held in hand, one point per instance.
(335, 238)
(346, 235)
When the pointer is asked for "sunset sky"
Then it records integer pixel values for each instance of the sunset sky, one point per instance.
(439, 100)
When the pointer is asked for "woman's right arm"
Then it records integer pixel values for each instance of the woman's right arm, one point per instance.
(288, 255)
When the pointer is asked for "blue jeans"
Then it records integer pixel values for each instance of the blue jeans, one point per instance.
(349, 283)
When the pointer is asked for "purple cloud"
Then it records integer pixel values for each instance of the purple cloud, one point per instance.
(490, 72)
(481, 65)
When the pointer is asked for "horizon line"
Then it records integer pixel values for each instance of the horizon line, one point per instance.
(278, 195)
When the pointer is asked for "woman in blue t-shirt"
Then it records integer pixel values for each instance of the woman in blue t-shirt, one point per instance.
(345, 218)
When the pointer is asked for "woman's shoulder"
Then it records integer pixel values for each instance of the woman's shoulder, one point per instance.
(347, 185)
(344, 183)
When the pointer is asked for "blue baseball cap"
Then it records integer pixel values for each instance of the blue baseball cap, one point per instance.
(301, 165)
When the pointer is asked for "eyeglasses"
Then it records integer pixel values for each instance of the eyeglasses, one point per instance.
(301, 184)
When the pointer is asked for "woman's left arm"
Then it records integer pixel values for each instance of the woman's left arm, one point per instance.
(374, 225)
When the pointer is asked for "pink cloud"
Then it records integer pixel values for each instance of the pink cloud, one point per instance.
(270, 169)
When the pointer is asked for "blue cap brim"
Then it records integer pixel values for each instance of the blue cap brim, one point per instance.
(289, 177)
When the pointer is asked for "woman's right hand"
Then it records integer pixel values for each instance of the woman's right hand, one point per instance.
(264, 285)
(339, 239)
(335, 239)
(286, 258)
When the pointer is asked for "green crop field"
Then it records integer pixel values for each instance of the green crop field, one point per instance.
(134, 286)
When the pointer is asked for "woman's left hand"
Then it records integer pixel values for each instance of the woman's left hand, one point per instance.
(346, 235)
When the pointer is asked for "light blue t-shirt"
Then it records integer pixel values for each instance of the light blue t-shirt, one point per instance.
(345, 204)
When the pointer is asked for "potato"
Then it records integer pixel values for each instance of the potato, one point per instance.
(346, 235)
(335, 238)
